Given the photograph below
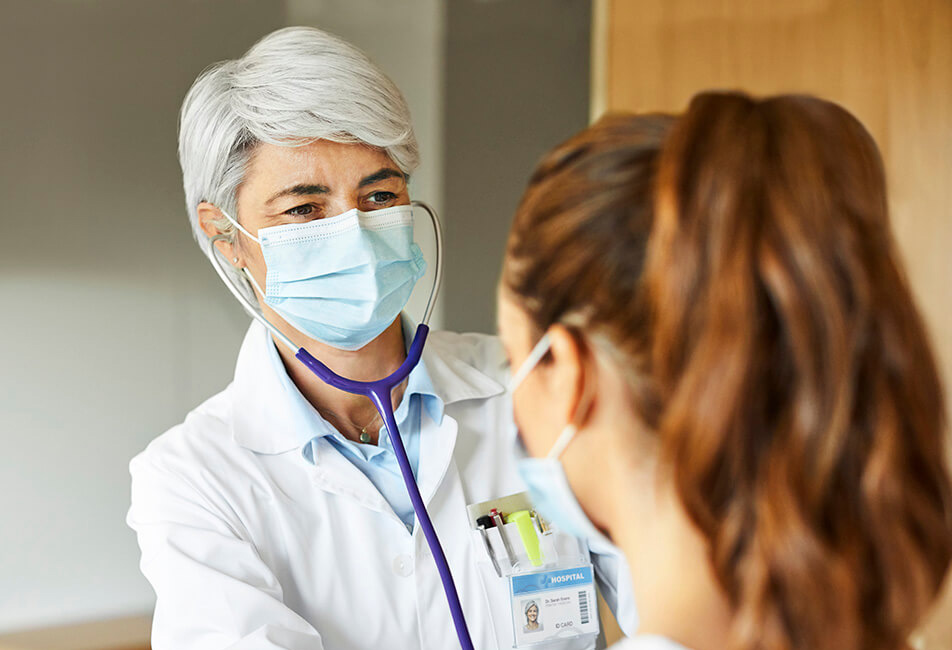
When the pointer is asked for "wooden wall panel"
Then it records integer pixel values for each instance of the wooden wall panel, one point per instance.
(887, 61)
(126, 633)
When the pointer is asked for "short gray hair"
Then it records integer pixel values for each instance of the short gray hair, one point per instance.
(294, 86)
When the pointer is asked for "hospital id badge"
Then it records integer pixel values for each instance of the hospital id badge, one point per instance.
(550, 605)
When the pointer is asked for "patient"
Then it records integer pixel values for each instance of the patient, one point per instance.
(720, 368)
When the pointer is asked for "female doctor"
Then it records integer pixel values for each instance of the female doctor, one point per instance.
(275, 515)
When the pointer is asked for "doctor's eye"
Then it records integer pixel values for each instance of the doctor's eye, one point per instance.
(381, 198)
(305, 210)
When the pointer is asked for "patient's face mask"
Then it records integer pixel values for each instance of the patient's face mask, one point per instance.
(545, 478)
(343, 280)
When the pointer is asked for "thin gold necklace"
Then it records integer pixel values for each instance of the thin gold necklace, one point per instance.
(364, 436)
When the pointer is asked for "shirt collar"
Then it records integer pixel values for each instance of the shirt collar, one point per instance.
(270, 416)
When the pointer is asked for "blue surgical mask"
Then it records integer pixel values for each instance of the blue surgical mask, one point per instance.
(545, 478)
(342, 280)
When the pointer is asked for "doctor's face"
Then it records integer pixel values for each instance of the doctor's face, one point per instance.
(291, 185)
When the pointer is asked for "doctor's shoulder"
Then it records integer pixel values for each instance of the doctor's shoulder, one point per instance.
(189, 459)
(483, 352)
(472, 372)
(205, 430)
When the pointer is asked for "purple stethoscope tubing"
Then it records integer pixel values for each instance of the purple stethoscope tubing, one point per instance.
(379, 392)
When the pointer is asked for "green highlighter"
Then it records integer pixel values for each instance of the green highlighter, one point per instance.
(523, 519)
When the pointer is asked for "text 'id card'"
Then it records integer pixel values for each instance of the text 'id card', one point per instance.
(553, 604)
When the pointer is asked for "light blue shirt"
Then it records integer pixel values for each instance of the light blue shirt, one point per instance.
(377, 462)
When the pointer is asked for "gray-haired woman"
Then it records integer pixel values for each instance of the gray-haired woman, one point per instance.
(275, 515)
(531, 611)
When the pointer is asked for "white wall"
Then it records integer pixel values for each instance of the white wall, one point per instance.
(108, 306)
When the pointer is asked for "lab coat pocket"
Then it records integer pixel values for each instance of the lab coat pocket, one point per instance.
(522, 568)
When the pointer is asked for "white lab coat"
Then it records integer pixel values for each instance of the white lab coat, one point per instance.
(248, 545)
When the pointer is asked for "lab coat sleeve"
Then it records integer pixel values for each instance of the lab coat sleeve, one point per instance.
(212, 589)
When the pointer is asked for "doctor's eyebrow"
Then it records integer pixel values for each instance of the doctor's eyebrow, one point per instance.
(381, 174)
(299, 190)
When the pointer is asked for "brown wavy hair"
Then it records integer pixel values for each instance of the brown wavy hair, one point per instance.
(803, 411)
(771, 342)
(577, 246)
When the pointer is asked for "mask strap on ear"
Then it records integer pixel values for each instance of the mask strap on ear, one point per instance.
(237, 225)
(563, 441)
(535, 356)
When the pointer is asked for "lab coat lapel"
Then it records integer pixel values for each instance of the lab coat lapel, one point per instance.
(258, 420)
(437, 442)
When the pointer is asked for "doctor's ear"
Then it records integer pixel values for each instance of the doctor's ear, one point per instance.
(573, 375)
(211, 221)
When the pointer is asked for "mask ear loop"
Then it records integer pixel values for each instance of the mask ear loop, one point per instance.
(237, 225)
(568, 433)
(535, 356)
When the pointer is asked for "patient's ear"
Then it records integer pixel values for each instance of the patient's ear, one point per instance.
(572, 377)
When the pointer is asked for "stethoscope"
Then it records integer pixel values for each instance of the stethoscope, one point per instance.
(379, 392)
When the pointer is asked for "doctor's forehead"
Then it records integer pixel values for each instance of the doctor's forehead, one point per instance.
(332, 166)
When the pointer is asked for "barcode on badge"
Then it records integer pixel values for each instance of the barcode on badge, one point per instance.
(583, 607)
